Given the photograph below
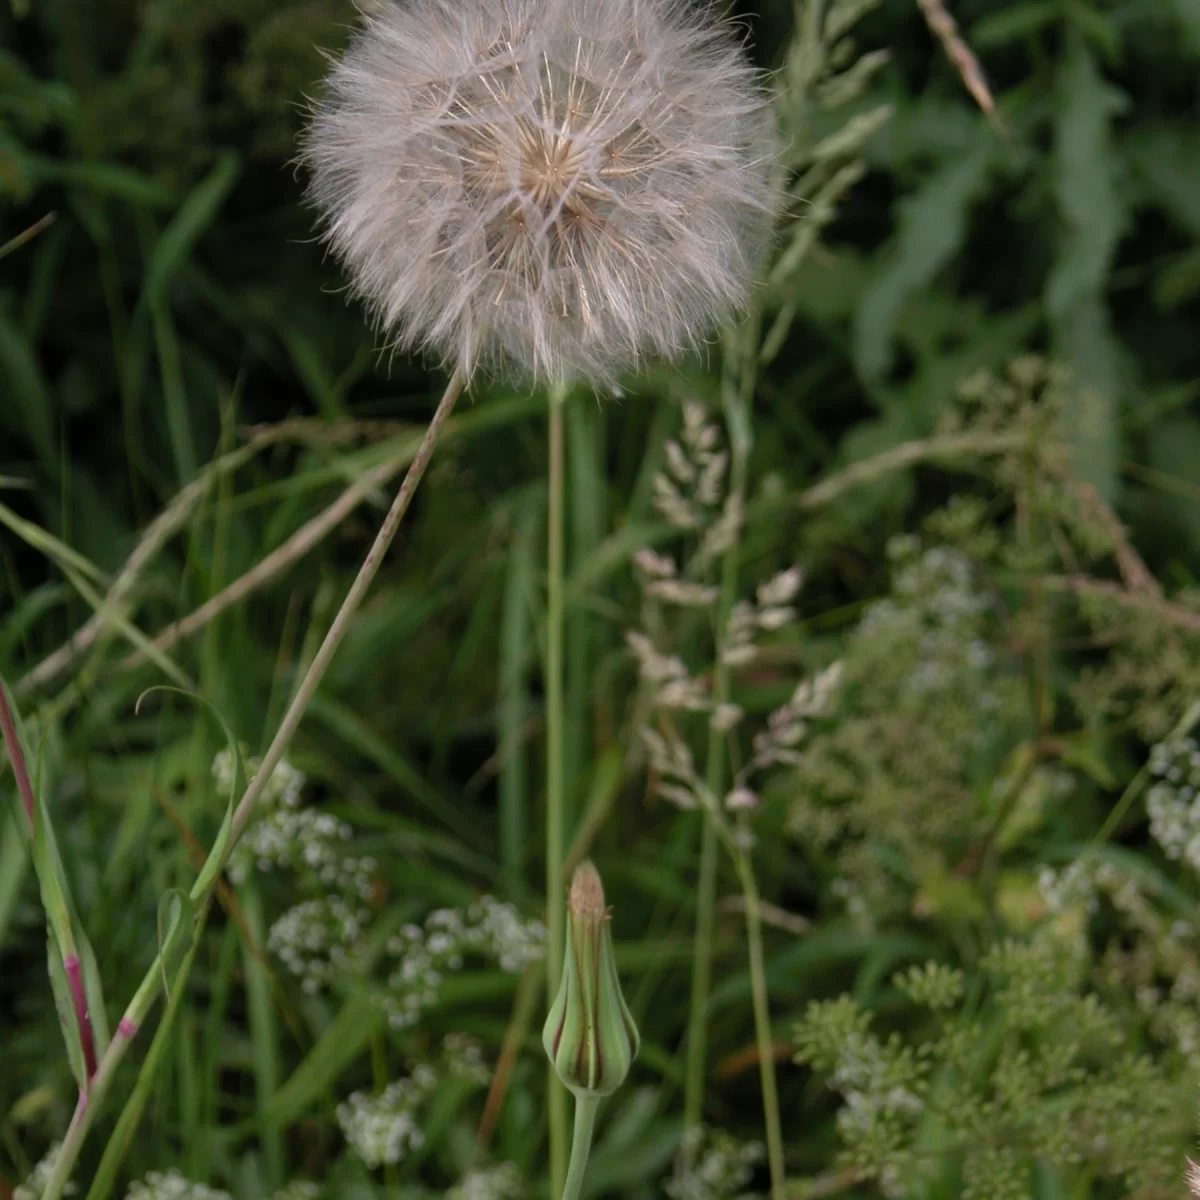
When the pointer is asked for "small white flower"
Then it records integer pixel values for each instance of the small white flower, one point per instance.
(383, 1129)
(171, 1185)
(33, 1187)
(502, 1182)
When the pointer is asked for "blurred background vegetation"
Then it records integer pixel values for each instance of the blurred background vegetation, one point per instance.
(164, 307)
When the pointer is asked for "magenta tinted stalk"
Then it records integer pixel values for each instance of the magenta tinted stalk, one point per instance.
(15, 756)
(75, 981)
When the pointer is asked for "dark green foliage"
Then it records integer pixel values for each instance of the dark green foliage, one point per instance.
(979, 881)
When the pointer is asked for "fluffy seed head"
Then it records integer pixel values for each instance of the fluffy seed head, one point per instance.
(561, 186)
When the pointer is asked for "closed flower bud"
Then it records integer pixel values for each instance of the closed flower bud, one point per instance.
(589, 1035)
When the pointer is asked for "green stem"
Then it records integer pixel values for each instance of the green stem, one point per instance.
(702, 953)
(139, 1007)
(762, 1026)
(555, 800)
(581, 1144)
(706, 888)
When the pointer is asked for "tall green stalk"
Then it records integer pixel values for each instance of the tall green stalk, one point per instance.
(706, 890)
(737, 406)
(555, 743)
(762, 1025)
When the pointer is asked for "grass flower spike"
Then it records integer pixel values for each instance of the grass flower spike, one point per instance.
(564, 187)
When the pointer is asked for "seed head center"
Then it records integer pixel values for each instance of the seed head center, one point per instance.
(552, 166)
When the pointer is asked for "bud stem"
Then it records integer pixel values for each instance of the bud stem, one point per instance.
(555, 738)
(581, 1145)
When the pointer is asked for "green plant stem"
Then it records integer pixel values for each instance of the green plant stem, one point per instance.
(581, 1144)
(762, 1025)
(702, 952)
(555, 744)
(139, 1006)
(706, 887)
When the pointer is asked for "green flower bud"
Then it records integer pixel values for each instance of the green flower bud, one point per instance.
(589, 1035)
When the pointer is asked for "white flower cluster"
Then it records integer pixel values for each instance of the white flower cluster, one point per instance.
(284, 786)
(1074, 886)
(712, 1165)
(383, 1129)
(423, 954)
(464, 1059)
(35, 1185)
(285, 836)
(934, 597)
(299, 1189)
(315, 940)
(1173, 803)
(303, 839)
(1083, 882)
(873, 1100)
(502, 1182)
(171, 1185)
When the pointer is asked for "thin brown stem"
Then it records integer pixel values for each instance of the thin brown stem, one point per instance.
(341, 622)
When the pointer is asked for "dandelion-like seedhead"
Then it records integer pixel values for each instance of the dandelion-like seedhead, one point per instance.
(562, 186)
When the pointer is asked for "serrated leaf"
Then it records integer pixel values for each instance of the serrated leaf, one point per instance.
(176, 933)
(64, 1005)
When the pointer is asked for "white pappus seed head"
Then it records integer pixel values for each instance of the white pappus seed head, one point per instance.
(560, 187)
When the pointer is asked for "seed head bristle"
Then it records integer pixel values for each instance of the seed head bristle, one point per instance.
(561, 186)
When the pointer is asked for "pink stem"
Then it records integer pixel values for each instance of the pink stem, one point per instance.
(126, 1029)
(75, 980)
(20, 773)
